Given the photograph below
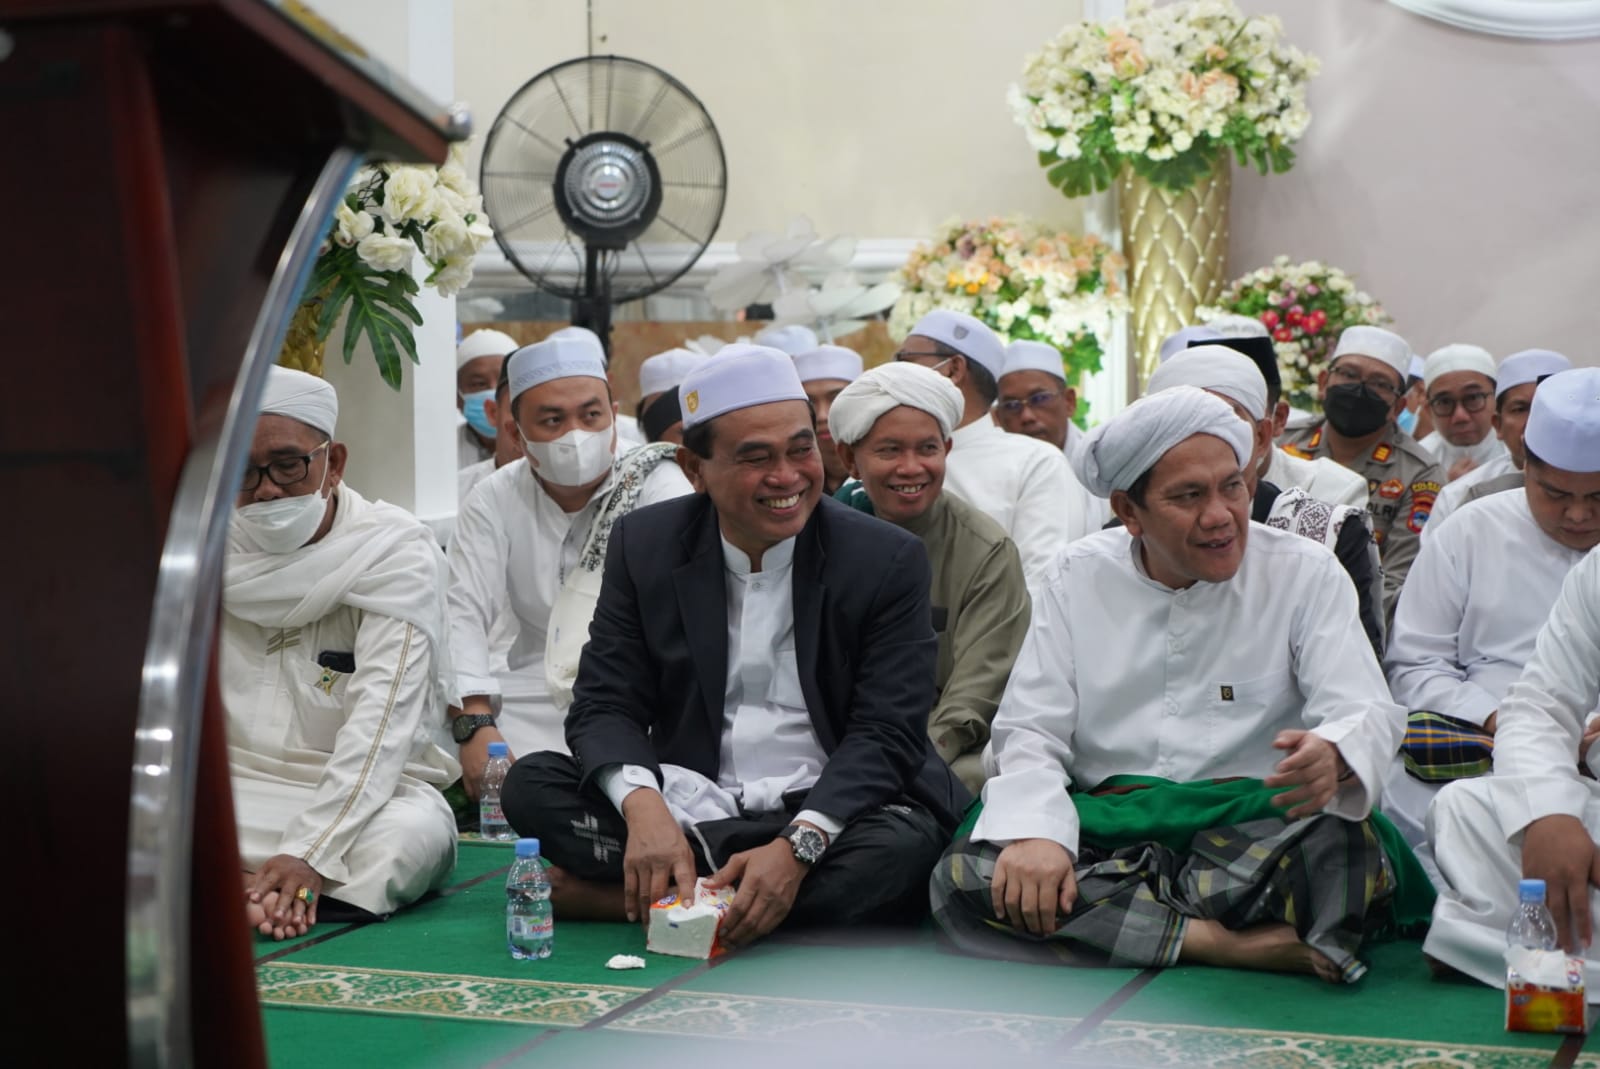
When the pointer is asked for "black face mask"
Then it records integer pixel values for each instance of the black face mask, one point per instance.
(1354, 409)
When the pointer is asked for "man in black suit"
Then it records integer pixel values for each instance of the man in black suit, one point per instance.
(754, 696)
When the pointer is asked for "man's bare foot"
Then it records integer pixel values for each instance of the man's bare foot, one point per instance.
(1442, 970)
(1269, 947)
(572, 898)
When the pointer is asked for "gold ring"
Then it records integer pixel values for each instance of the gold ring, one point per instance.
(306, 895)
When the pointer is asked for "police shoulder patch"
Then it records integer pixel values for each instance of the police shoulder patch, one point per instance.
(1383, 453)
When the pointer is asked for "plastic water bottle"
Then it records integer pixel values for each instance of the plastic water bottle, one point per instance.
(491, 817)
(530, 925)
(1531, 926)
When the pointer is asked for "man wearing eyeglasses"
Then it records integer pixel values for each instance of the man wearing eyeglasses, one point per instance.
(1362, 393)
(331, 657)
(1025, 486)
(1035, 399)
(1460, 384)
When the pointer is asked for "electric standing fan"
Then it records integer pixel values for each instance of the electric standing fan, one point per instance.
(604, 180)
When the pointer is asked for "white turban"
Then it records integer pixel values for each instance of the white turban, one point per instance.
(300, 396)
(1457, 357)
(1219, 369)
(1123, 448)
(886, 387)
(484, 343)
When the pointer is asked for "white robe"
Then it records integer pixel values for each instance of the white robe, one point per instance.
(512, 546)
(1473, 604)
(629, 434)
(1024, 485)
(1476, 825)
(1182, 684)
(1447, 454)
(1321, 477)
(1454, 495)
(469, 450)
(341, 768)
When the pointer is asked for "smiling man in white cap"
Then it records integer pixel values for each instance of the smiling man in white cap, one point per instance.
(1362, 393)
(1024, 485)
(1233, 652)
(893, 426)
(333, 666)
(479, 359)
(824, 371)
(1478, 594)
(1460, 381)
(533, 535)
(753, 702)
(1537, 816)
(1515, 380)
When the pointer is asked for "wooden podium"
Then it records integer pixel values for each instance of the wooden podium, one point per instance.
(172, 166)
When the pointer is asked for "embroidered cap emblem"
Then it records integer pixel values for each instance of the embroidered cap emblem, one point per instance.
(960, 332)
(692, 402)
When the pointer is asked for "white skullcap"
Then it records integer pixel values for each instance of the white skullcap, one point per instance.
(554, 358)
(888, 386)
(1417, 367)
(1382, 345)
(1117, 452)
(828, 362)
(1239, 326)
(791, 338)
(740, 376)
(484, 343)
(1530, 365)
(1177, 343)
(1564, 421)
(300, 396)
(660, 373)
(1457, 358)
(1218, 369)
(1034, 356)
(967, 336)
(588, 337)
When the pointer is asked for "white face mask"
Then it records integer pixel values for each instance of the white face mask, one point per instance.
(283, 524)
(577, 458)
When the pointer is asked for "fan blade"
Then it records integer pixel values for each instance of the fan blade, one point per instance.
(555, 80)
(793, 307)
(537, 213)
(800, 227)
(838, 328)
(835, 252)
(871, 301)
(753, 246)
(545, 141)
(739, 285)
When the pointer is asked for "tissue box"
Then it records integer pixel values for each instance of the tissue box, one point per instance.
(689, 929)
(1550, 998)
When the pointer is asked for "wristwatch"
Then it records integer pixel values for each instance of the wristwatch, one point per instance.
(806, 842)
(463, 728)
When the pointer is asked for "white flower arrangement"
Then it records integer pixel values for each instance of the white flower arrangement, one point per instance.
(1165, 91)
(1023, 279)
(391, 213)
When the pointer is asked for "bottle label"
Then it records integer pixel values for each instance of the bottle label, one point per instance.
(532, 929)
(491, 813)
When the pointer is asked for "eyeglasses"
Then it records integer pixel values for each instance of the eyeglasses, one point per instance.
(1012, 406)
(904, 355)
(1377, 386)
(284, 471)
(1444, 404)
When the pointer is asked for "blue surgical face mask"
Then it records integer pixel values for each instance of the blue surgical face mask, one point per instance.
(1407, 420)
(472, 407)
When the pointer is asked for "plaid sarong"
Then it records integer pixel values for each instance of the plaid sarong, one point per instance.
(1438, 748)
(1322, 875)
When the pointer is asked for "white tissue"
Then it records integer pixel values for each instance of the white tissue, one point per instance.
(625, 961)
(1545, 968)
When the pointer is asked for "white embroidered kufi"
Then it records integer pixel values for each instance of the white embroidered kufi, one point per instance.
(1239, 326)
(1530, 365)
(554, 358)
(792, 338)
(660, 373)
(588, 337)
(1457, 358)
(484, 343)
(1218, 369)
(1377, 343)
(1117, 452)
(740, 376)
(1034, 356)
(300, 396)
(966, 335)
(888, 386)
(1564, 421)
(828, 362)
(1177, 343)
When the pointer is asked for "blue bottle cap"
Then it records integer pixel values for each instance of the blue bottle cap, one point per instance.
(527, 847)
(1530, 891)
(499, 749)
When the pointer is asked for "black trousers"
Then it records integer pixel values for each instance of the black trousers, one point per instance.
(875, 872)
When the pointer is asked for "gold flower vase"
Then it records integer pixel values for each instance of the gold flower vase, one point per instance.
(1176, 245)
(301, 349)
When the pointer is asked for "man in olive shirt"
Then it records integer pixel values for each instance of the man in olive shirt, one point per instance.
(1362, 393)
(892, 428)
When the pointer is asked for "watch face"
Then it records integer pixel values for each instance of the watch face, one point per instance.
(463, 728)
(807, 844)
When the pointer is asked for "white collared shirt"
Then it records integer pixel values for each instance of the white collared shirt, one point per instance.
(1474, 601)
(1454, 495)
(1183, 684)
(769, 745)
(1024, 485)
